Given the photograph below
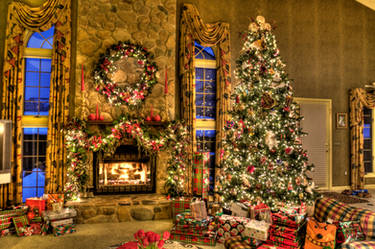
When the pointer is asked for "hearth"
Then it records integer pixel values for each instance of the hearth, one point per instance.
(128, 170)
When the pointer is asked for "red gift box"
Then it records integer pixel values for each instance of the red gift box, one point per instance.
(36, 203)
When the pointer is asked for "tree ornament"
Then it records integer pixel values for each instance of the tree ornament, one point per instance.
(253, 27)
(267, 102)
(260, 19)
(270, 139)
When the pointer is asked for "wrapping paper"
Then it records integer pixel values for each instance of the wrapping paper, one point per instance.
(351, 231)
(187, 219)
(5, 232)
(269, 245)
(239, 209)
(275, 244)
(204, 233)
(180, 205)
(20, 224)
(36, 203)
(359, 245)
(201, 173)
(256, 229)
(54, 198)
(198, 209)
(64, 229)
(229, 226)
(62, 222)
(37, 228)
(65, 213)
(208, 239)
(238, 243)
(22, 210)
(261, 212)
(5, 225)
(295, 213)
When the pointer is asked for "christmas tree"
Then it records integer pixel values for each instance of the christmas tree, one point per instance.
(263, 159)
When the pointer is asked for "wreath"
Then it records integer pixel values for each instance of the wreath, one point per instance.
(132, 94)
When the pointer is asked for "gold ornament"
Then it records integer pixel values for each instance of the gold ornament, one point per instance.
(260, 19)
(301, 196)
(253, 27)
(267, 26)
(258, 44)
(267, 102)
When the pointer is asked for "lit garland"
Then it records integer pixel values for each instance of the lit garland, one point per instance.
(78, 144)
(263, 157)
(132, 94)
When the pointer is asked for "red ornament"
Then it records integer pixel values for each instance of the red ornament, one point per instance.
(101, 118)
(288, 150)
(250, 169)
(156, 118)
(237, 99)
(91, 116)
(148, 118)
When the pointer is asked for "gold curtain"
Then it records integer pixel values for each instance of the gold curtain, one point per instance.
(214, 35)
(21, 17)
(359, 98)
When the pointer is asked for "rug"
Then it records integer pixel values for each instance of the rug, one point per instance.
(169, 244)
(344, 198)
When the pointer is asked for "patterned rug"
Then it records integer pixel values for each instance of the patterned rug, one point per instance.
(169, 244)
(344, 198)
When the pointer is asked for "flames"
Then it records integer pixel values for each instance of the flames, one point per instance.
(123, 173)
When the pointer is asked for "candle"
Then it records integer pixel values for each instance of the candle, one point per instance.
(82, 80)
(97, 112)
(166, 81)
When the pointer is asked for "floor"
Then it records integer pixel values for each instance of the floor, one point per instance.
(368, 205)
(90, 236)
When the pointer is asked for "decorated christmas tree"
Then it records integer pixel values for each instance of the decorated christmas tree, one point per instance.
(263, 159)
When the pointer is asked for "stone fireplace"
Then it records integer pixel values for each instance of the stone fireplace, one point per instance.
(128, 170)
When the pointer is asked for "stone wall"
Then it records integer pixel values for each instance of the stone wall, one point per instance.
(151, 23)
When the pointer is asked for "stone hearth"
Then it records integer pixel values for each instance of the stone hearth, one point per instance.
(122, 208)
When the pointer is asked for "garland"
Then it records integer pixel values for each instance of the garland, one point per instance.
(78, 144)
(133, 94)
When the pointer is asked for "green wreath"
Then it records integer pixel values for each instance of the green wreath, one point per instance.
(130, 95)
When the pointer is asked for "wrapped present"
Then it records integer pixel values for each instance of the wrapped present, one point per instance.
(229, 226)
(349, 231)
(296, 213)
(19, 211)
(320, 235)
(198, 209)
(201, 174)
(238, 242)
(44, 228)
(63, 229)
(53, 198)
(180, 205)
(64, 214)
(256, 229)
(5, 225)
(204, 233)
(187, 219)
(36, 219)
(287, 221)
(208, 239)
(269, 245)
(36, 204)
(57, 207)
(62, 222)
(5, 232)
(281, 241)
(239, 209)
(20, 223)
(37, 228)
(214, 208)
(261, 212)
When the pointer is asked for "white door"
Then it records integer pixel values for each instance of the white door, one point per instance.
(317, 123)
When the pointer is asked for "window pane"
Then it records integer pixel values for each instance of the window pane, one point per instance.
(367, 155)
(29, 179)
(45, 79)
(43, 133)
(199, 99)
(40, 192)
(48, 33)
(32, 79)
(210, 74)
(367, 133)
(32, 64)
(45, 65)
(42, 147)
(41, 164)
(43, 109)
(210, 87)
(367, 119)
(368, 167)
(367, 111)
(44, 94)
(31, 108)
(29, 148)
(28, 193)
(210, 113)
(35, 40)
(199, 86)
(199, 73)
(30, 133)
(210, 100)
(31, 94)
(367, 144)
(46, 45)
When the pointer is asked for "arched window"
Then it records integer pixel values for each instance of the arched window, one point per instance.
(205, 104)
(37, 54)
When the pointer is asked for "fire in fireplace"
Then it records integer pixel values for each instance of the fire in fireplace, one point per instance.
(127, 171)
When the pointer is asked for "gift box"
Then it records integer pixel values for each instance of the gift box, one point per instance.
(36, 203)
(199, 232)
(201, 174)
(20, 223)
(44, 228)
(349, 231)
(61, 222)
(37, 228)
(53, 198)
(261, 212)
(63, 229)
(198, 209)
(5, 232)
(214, 208)
(239, 209)
(22, 210)
(270, 245)
(229, 226)
(208, 239)
(238, 242)
(180, 205)
(64, 214)
(187, 219)
(256, 229)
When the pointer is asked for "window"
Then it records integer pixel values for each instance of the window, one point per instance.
(367, 141)
(38, 54)
(205, 103)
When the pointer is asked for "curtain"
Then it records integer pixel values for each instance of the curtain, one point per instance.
(359, 98)
(21, 17)
(215, 35)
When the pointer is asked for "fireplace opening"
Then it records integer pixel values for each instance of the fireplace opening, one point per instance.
(128, 170)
